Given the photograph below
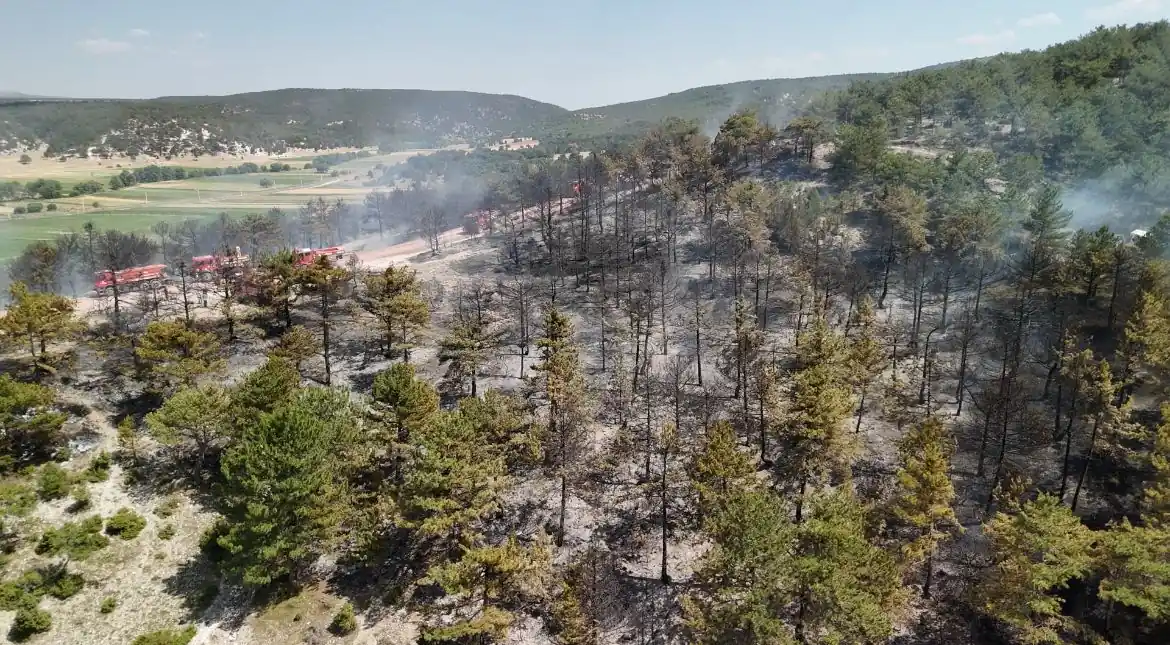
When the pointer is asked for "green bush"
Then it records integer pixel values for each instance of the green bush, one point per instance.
(35, 207)
(99, 469)
(344, 622)
(53, 482)
(265, 182)
(13, 596)
(30, 621)
(166, 637)
(17, 498)
(66, 586)
(167, 508)
(81, 498)
(126, 524)
(109, 604)
(76, 539)
(19, 210)
(51, 207)
(166, 532)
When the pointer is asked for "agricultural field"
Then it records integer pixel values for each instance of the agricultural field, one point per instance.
(137, 208)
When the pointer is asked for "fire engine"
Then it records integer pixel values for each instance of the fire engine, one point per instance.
(132, 278)
(306, 257)
(208, 266)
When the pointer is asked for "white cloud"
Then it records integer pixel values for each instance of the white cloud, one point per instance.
(984, 40)
(1126, 10)
(104, 46)
(1039, 20)
(139, 33)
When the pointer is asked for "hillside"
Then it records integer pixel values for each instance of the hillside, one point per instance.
(271, 121)
(1088, 112)
(777, 99)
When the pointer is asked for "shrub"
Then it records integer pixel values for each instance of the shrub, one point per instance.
(66, 586)
(95, 204)
(266, 183)
(30, 621)
(76, 539)
(17, 498)
(13, 597)
(166, 637)
(98, 469)
(344, 621)
(35, 207)
(81, 498)
(51, 207)
(126, 524)
(166, 532)
(19, 210)
(167, 508)
(53, 482)
(109, 604)
(306, 166)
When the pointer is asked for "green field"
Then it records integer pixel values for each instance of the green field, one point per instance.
(137, 208)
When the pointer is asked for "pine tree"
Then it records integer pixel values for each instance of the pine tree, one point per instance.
(39, 318)
(1135, 568)
(395, 298)
(568, 413)
(453, 478)
(1156, 499)
(177, 356)
(285, 487)
(718, 469)
(411, 402)
(743, 583)
(846, 589)
(925, 496)
(1147, 337)
(815, 445)
(199, 416)
(571, 626)
(31, 425)
(503, 419)
(296, 346)
(866, 354)
(1035, 553)
(487, 584)
(263, 390)
(466, 350)
(327, 282)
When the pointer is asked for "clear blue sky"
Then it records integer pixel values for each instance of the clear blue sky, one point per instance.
(575, 54)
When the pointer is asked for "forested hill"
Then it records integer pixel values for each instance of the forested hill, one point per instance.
(776, 99)
(269, 120)
(1091, 108)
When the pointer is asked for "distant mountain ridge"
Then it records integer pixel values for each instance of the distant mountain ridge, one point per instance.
(327, 118)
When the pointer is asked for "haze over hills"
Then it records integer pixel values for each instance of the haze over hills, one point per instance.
(324, 118)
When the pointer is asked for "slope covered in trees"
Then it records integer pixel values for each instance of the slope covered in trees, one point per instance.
(1088, 109)
(269, 120)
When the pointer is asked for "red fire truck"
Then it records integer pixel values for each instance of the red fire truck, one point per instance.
(305, 257)
(132, 278)
(209, 266)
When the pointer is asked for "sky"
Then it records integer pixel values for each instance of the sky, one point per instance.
(574, 54)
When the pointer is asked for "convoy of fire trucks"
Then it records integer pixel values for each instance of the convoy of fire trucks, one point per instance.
(233, 264)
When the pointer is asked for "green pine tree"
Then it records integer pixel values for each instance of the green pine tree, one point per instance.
(487, 584)
(410, 402)
(198, 416)
(285, 491)
(1036, 552)
(925, 496)
(178, 356)
(719, 470)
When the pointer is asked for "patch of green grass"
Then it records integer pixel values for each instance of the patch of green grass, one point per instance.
(29, 622)
(166, 637)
